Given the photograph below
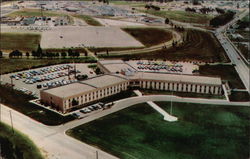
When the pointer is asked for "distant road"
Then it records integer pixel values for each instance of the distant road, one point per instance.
(240, 66)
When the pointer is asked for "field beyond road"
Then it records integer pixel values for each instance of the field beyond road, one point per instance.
(19, 41)
(197, 46)
(181, 16)
(201, 132)
(150, 36)
(16, 145)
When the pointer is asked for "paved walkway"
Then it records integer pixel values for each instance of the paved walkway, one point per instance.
(166, 116)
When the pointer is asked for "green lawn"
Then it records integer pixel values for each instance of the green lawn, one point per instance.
(88, 19)
(226, 72)
(238, 96)
(246, 18)
(19, 41)
(17, 145)
(149, 36)
(129, 3)
(201, 132)
(181, 16)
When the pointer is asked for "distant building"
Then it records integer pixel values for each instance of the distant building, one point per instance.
(11, 21)
(64, 20)
(28, 21)
(71, 9)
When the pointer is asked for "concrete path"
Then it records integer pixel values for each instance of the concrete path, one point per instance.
(166, 116)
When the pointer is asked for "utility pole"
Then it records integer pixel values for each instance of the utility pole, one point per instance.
(96, 154)
(11, 122)
(1, 151)
(75, 69)
(11, 81)
(171, 105)
(0, 113)
(68, 73)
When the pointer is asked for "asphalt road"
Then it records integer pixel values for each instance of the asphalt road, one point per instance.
(241, 67)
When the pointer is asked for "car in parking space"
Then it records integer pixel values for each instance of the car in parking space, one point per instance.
(76, 115)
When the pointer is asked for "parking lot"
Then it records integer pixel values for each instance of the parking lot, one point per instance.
(91, 109)
(33, 80)
(164, 66)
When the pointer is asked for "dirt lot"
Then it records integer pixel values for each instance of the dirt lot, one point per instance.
(20, 41)
(87, 36)
(150, 36)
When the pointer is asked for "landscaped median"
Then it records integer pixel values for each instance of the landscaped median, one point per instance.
(202, 131)
(15, 145)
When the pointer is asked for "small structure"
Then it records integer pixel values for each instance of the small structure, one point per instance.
(11, 21)
(60, 21)
(28, 21)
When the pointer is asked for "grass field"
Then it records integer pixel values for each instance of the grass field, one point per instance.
(198, 46)
(181, 16)
(19, 41)
(34, 12)
(13, 65)
(131, 4)
(17, 145)
(149, 36)
(238, 96)
(246, 19)
(201, 132)
(226, 72)
(88, 19)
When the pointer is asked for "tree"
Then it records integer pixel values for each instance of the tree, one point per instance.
(70, 52)
(86, 53)
(77, 54)
(166, 21)
(222, 19)
(27, 55)
(33, 53)
(63, 54)
(39, 51)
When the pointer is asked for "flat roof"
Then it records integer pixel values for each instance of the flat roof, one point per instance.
(84, 86)
(177, 78)
(104, 80)
(116, 65)
(104, 62)
(69, 90)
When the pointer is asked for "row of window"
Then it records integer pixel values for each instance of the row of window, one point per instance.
(180, 87)
(97, 94)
